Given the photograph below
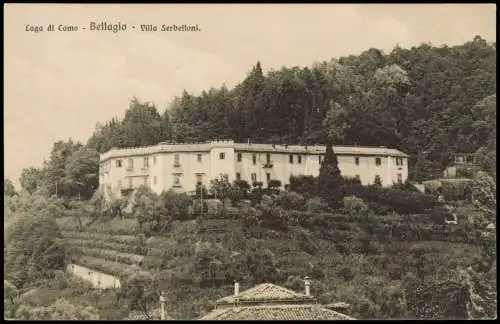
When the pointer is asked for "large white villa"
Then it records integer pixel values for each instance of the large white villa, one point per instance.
(181, 166)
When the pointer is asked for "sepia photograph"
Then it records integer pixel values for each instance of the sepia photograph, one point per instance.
(250, 161)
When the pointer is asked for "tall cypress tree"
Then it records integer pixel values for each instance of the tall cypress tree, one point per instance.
(330, 181)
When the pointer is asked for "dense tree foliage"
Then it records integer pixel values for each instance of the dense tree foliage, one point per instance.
(330, 181)
(8, 188)
(426, 101)
(32, 250)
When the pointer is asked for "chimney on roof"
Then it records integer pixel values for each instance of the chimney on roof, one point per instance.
(236, 289)
(308, 286)
(162, 305)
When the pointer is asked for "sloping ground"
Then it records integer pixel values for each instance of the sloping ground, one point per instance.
(348, 262)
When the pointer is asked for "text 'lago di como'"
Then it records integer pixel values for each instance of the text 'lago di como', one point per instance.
(114, 27)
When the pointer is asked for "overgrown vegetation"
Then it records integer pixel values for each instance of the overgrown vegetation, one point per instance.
(381, 249)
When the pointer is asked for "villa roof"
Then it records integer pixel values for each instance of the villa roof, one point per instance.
(276, 312)
(319, 149)
(251, 147)
(271, 302)
(265, 292)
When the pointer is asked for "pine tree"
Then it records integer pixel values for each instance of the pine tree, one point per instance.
(330, 181)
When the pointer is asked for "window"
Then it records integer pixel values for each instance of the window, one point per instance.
(356, 160)
(177, 180)
(254, 159)
(378, 161)
(299, 159)
(199, 157)
(399, 161)
(145, 181)
(130, 183)
(320, 158)
(176, 160)
(357, 177)
(400, 178)
(268, 176)
(268, 158)
(154, 159)
(199, 178)
(118, 163)
(154, 180)
(239, 157)
(119, 183)
(146, 163)
(254, 176)
(290, 158)
(130, 164)
(222, 156)
(238, 176)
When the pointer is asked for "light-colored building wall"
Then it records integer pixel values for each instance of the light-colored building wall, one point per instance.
(181, 166)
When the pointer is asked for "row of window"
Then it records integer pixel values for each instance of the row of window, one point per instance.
(222, 156)
(268, 158)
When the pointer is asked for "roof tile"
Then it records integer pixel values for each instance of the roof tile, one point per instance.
(265, 292)
(276, 312)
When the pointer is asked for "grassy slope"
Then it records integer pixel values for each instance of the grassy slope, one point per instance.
(348, 275)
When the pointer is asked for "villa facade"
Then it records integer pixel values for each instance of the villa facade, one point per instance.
(181, 166)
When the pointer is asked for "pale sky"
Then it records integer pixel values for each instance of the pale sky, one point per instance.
(58, 85)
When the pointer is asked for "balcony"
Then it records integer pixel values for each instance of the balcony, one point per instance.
(268, 165)
(177, 165)
(129, 169)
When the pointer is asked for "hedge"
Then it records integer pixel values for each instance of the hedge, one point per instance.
(118, 270)
(126, 258)
(401, 201)
(94, 244)
(115, 227)
(123, 239)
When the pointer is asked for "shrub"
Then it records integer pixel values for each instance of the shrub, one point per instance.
(239, 191)
(354, 205)
(306, 242)
(257, 184)
(114, 226)
(111, 255)
(97, 244)
(176, 204)
(379, 209)
(199, 208)
(291, 200)
(273, 216)
(316, 205)
(304, 185)
(405, 186)
(403, 202)
(466, 171)
(274, 185)
(432, 186)
(456, 189)
(124, 239)
(440, 214)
